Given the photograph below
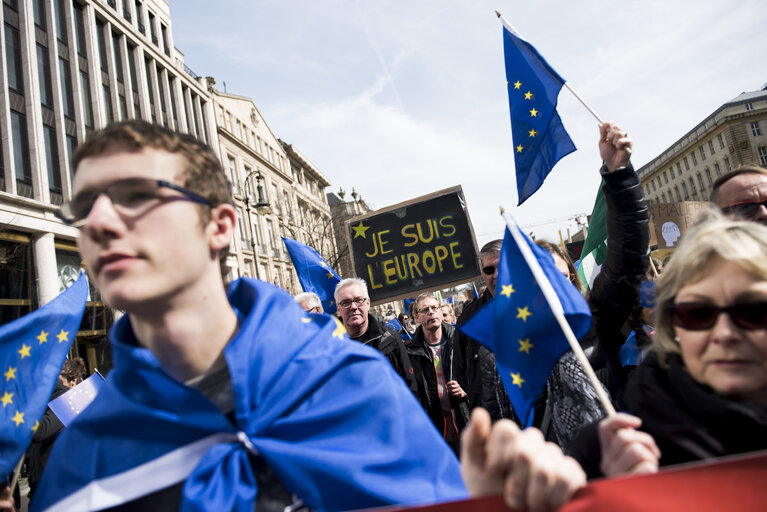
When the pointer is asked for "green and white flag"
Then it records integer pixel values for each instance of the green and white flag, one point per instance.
(595, 247)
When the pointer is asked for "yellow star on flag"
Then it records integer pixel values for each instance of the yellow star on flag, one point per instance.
(533, 113)
(62, 336)
(359, 230)
(18, 418)
(306, 320)
(528, 95)
(24, 351)
(323, 264)
(340, 329)
(517, 84)
(519, 148)
(523, 313)
(525, 346)
(517, 380)
(7, 399)
(507, 290)
(43, 337)
(37, 424)
(10, 374)
(330, 275)
(331, 303)
(532, 133)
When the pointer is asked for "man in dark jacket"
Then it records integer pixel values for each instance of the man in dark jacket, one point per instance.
(431, 353)
(354, 309)
(476, 371)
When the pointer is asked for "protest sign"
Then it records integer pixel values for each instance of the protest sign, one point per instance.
(423, 244)
(672, 220)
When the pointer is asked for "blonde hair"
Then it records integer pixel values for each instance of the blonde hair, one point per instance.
(714, 236)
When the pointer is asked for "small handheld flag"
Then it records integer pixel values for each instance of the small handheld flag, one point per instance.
(525, 337)
(540, 139)
(594, 251)
(69, 405)
(314, 273)
(32, 350)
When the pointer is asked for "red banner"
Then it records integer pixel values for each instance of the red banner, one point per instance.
(736, 483)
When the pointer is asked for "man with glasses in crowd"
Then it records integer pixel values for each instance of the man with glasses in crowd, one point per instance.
(476, 371)
(353, 301)
(431, 353)
(742, 193)
(221, 397)
(310, 301)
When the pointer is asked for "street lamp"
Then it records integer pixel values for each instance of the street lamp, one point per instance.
(261, 205)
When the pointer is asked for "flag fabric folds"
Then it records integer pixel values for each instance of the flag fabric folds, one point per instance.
(32, 350)
(594, 251)
(397, 326)
(314, 273)
(70, 404)
(540, 139)
(519, 327)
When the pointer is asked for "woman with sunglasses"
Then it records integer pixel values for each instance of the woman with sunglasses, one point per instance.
(702, 393)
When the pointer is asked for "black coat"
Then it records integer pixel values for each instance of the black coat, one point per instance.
(388, 342)
(42, 441)
(428, 393)
(688, 421)
(475, 368)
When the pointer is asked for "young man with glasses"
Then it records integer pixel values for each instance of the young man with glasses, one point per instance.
(431, 353)
(221, 398)
(353, 301)
(742, 193)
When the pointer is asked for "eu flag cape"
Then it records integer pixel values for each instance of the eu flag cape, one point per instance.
(330, 417)
(519, 327)
(540, 139)
(32, 350)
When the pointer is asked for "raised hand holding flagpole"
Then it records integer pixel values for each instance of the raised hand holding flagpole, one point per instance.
(556, 308)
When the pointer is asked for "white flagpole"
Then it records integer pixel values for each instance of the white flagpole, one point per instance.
(556, 307)
(577, 96)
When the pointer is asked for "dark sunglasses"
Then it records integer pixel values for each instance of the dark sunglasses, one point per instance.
(746, 209)
(696, 316)
(489, 270)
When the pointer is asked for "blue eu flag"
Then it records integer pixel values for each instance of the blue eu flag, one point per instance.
(32, 350)
(69, 405)
(519, 327)
(540, 139)
(314, 273)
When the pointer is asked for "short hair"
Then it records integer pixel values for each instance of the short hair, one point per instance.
(448, 306)
(724, 178)
(311, 299)
(559, 251)
(73, 369)
(202, 173)
(422, 297)
(739, 241)
(491, 249)
(343, 283)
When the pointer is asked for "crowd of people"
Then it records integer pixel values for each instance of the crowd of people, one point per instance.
(239, 396)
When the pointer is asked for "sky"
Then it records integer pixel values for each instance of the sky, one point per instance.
(400, 98)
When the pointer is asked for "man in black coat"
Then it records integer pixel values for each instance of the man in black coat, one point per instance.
(354, 310)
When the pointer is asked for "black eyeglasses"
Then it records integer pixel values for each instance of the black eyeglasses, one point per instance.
(426, 309)
(696, 316)
(357, 301)
(129, 197)
(489, 270)
(746, 209)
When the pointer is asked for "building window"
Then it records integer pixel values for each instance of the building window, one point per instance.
(15, 77)
(702, 154)
(140, 17)
(242, 230)
(686, 192)
(107, 100)
(663, 197)
(692, 186)
(52, 159)
(21, 153)
(66, 89)
(749, 107)
(686, 163)
(85, 97)
(44, 75)
(727, 164)
(708, 174)
(101, 34)
(721, 140)
(700, 182)
(79, 23)
(711, 147)
(61, 20)
(763, 155)
(665, 178)
(152, 29)
(38, 12)
(232, 166)
(671, 169)
(694, 159)
(679, 167)
(676, 191)
(755, 130)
